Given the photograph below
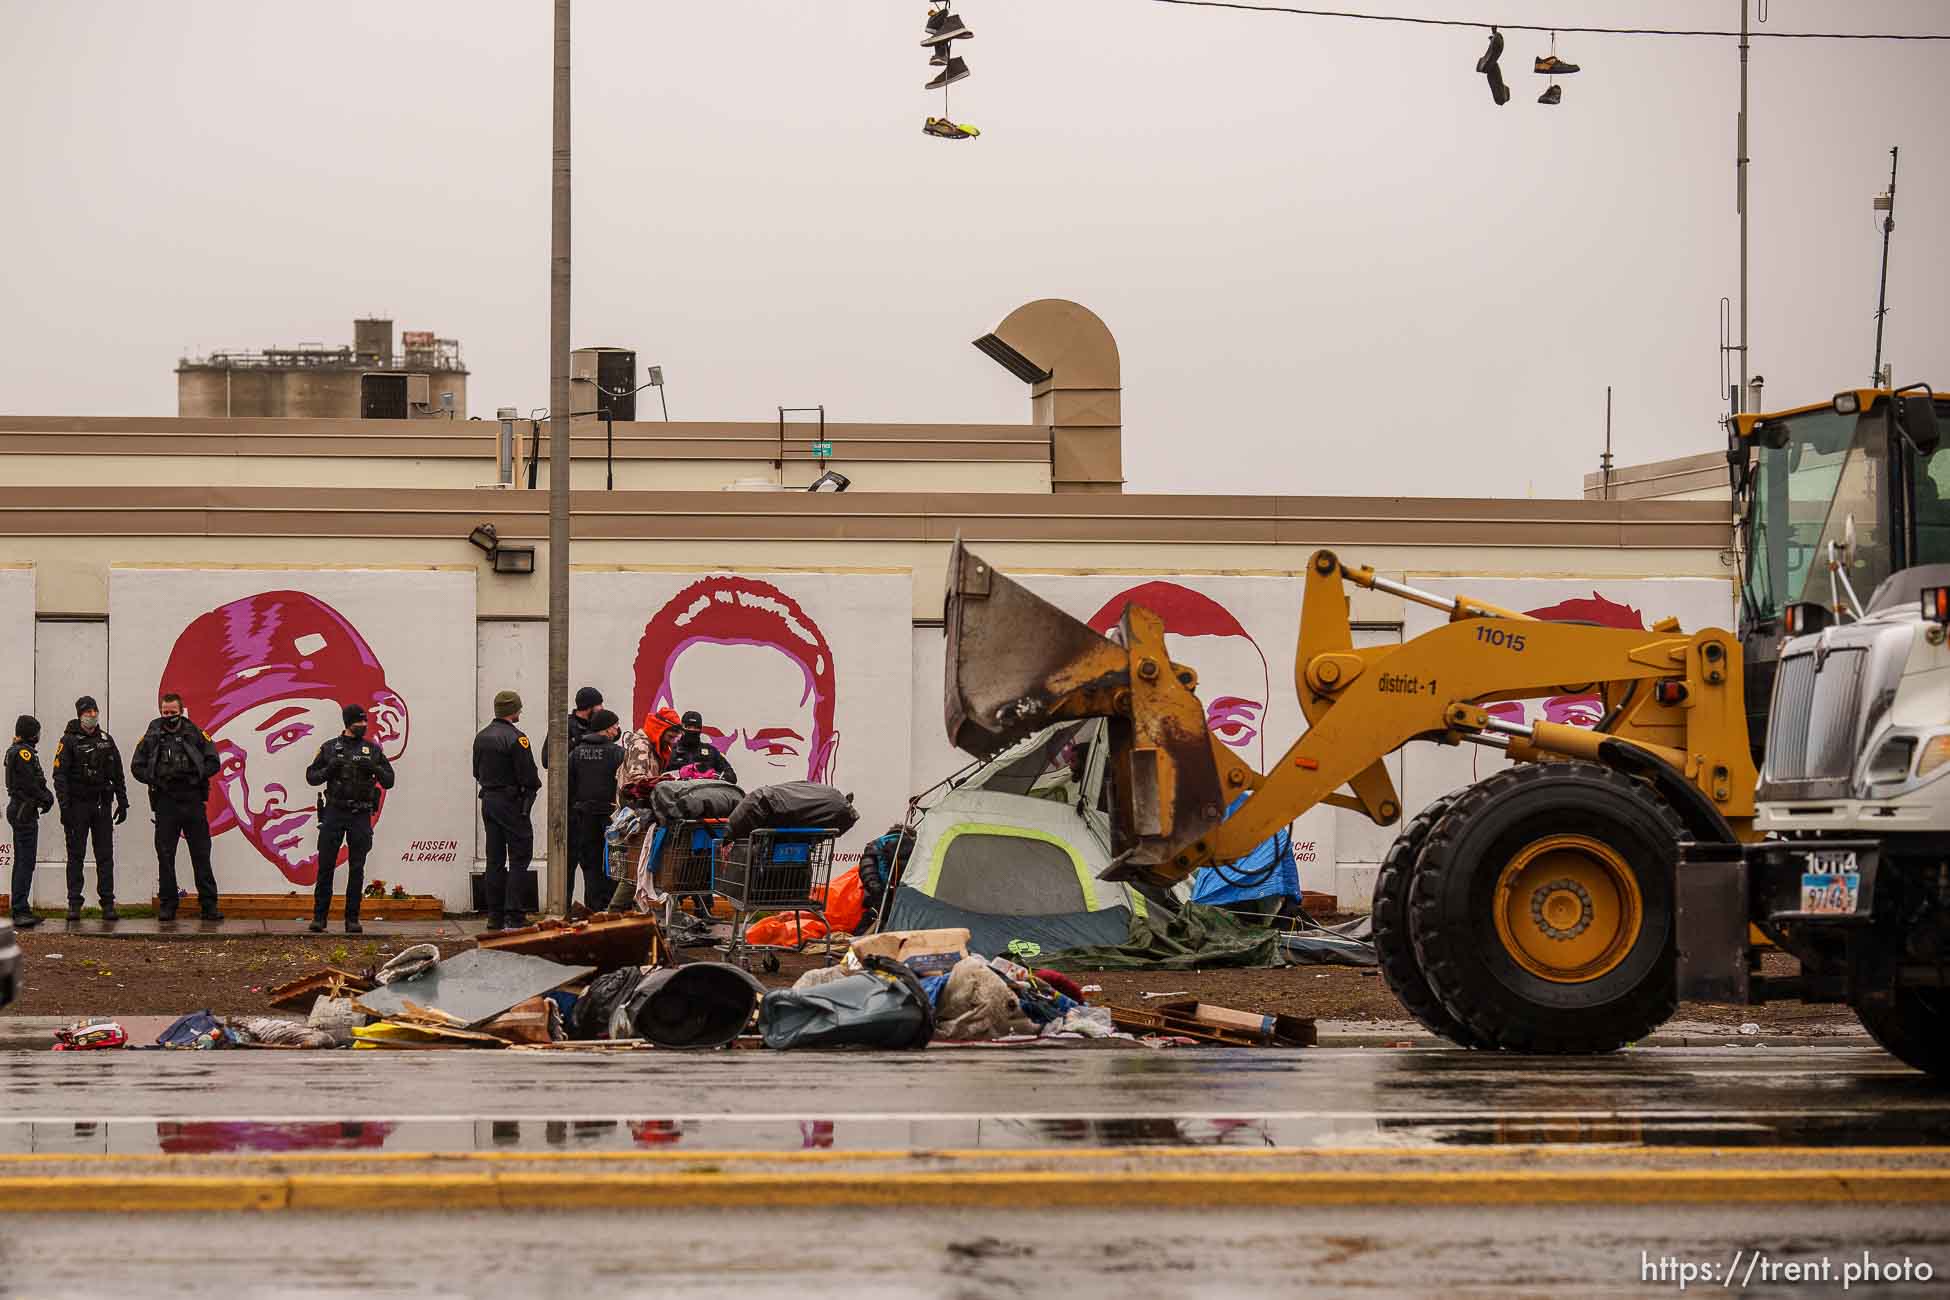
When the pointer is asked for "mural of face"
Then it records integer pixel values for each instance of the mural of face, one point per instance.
(1202, 634)
(1571, 710)
(746, 656)
(266, 677)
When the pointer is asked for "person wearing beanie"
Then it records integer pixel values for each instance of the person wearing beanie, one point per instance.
(94, 797)
(28, 799)
(592, 798)
(588, 700)
(354, 772)
(505, 772)
(176, 760)
(693, 749)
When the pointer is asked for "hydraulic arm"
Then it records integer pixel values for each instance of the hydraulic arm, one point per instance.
(1673, 708)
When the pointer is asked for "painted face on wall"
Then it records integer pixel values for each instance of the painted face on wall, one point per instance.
(1571, 710)
(1200, 633)
(266, 676)
(747, 657)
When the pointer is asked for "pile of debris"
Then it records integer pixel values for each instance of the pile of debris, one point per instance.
(611, 983)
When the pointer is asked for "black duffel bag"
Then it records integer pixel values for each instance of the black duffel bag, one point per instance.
(693, 801)
(793, 803)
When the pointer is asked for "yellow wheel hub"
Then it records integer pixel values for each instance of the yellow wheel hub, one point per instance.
(1568, 908)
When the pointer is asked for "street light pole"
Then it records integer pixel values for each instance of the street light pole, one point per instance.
(1740, 198)
(558, 484)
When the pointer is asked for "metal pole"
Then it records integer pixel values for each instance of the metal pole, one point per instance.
(558, 484)
(1740, 198)
(1607, 461)
(1882, 293)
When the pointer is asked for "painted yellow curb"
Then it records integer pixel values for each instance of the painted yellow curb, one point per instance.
(142, 1196)
(1011, 1190)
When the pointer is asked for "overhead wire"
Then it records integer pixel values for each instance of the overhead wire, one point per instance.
(1485, 24)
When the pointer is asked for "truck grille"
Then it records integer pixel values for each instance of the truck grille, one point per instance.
(1811, 736)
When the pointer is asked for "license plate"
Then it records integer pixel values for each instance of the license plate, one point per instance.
(1831, 883)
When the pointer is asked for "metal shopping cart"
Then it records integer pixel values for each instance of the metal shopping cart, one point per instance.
(683, 862)
(782, 869)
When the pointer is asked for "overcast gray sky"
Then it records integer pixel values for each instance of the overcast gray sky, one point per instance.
(1332, 265)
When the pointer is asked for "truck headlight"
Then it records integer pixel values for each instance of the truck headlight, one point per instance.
(1936, 752)
(1891, 762)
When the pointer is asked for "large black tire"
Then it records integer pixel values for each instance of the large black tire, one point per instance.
(1574, 859)
(1915, 1029)
(1394, 946)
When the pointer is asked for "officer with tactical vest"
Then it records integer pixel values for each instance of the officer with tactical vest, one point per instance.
(88, 781)
(28, 799)
(504, 768)
(177, 762)
(592, 798)
(353, 771)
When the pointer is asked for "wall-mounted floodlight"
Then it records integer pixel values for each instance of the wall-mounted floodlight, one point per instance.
(504, 559)
(484, 537)
(831, 481)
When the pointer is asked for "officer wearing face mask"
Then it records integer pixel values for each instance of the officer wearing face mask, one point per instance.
(353, 771)
(88, 781)
(177, 761)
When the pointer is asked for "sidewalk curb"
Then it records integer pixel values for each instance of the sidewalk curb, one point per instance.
(1011, 1190)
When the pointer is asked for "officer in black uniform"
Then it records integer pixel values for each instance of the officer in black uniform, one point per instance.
(588, 700)
(504, 768)
(592, 798)
(177, 761)
(353, 771)
(88, 781)
(28, 798)
(691, 749)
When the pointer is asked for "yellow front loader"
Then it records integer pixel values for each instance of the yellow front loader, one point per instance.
(1532, 911)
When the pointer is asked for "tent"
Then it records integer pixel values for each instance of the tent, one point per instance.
(1013, 851)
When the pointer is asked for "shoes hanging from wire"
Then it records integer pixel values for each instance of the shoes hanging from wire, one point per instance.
(1489, 66)
(1549, 65)
(943, 29)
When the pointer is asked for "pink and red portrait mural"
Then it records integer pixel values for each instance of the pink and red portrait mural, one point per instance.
(750, 659)
(266, 677)
(1202, 634)
(265, 659)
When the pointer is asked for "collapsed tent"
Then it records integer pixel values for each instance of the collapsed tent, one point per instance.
(1003, 854)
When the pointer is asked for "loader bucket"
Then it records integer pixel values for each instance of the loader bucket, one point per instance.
(1017, 664)
(1012, 657)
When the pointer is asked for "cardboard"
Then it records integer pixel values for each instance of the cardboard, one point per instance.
(925, 952)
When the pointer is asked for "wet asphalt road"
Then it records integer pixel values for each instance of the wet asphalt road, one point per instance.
(973, 1255)
(132, 1102)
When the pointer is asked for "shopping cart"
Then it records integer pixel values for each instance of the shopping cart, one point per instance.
(683, 859)
(783, 869)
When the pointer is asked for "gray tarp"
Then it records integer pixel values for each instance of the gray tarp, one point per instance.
(990, 933)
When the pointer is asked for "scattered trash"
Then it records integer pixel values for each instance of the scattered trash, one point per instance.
(1750, 1029)
(704, 1004)
(1093, 988)
(1192, 1019)
(326, 981)
(403, 1034)
(412, 962)
(976, 1003)
(1089, 1022)
(337, 1017)
(885, 1006)
(90, 1036)
(606, 941)
(538, 1020)
(267, 1031)
(1176, 993)
(925, 952)
(469, 988)
(199, 1030)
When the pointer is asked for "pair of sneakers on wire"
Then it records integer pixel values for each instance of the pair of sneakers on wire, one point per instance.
(943, 28)
(948, 130)
(1549, 65)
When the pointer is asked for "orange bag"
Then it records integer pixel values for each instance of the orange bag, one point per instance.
(846, 903)
(785, 930)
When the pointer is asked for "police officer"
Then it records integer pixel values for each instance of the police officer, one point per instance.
(28, 798)
(353, 771)
(504, 768)
(177, 761)
(588, 700)
(88, 780)
(691, 749)
(592, 798)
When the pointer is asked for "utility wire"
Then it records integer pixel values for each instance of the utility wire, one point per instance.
(1529, 27)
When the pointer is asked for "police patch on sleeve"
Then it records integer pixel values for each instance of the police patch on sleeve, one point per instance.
(26, 754)
(522, 739)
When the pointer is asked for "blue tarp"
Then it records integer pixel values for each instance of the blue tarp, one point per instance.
(1269, 871)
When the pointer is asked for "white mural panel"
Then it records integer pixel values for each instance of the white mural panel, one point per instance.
(1240, 634)
(264, 659)
(800, 675)
(17, 690)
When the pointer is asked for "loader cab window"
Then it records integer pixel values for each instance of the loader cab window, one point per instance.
(1803, 494)
(1932, 504)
